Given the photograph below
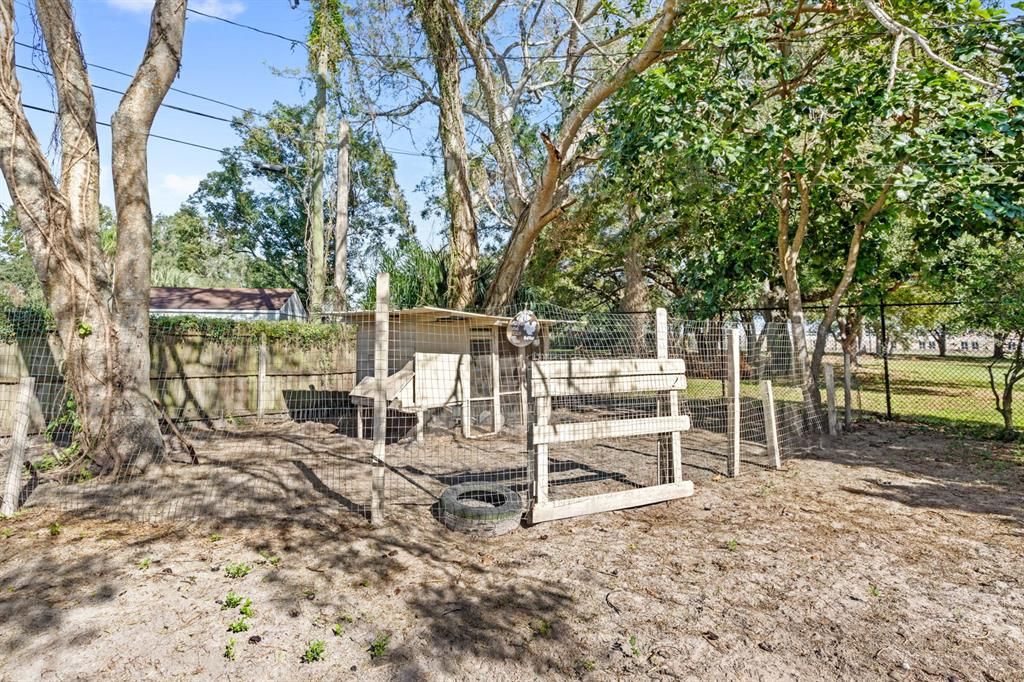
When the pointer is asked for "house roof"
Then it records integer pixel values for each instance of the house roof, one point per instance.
(430, 313)
(204, 298)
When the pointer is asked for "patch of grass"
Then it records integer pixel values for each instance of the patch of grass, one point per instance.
(246, 609)
(216, 537)
(240, 625)
(542, 628)
(315, 651)
(874, 591)
(379, 645)
(586, 665)
(232, 600)
(145, 563)
(274, 561)
(732, 545)
(229, 650)
(338, 629)
(55, 529)
(6, 533)
(237, 570)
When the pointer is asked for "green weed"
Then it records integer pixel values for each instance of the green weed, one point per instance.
(315, 651)
(634, 646)
(874, 591)
(232, 600)
(379, 645)
(55, 529)
(216, 537)
(337, 629)
(229, 650)
(240, 625)
(732, 545)
(238, 570)
(246, 609)
(145, 563)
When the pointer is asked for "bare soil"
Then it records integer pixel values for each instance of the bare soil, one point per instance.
(889, 553)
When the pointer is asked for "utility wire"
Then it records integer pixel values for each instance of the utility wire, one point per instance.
(154, 135)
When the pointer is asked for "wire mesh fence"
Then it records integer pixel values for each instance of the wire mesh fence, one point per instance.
(261, 426)
(927, 363)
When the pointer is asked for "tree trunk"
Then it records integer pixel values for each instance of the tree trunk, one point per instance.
(341, 217)
(939, 334)
(999, 346)
(464, 249)
(635, 296)
(102, 327)
(316, 255)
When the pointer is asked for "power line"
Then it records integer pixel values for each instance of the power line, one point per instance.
(222, 103)
(121, 92)
(293, 41)
(154, 135)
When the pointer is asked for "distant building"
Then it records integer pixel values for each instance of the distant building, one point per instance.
(233, 304)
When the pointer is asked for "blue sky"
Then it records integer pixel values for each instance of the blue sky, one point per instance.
(220, 61)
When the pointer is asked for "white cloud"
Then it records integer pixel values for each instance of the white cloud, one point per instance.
(179, 187)
(226, 9)
(132, 5)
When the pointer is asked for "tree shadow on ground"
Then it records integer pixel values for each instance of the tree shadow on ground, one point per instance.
(950, 473)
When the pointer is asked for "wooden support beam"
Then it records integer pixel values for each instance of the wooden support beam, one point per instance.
(465, 369)
(672, 466)
(593, 504)
(497, 417)
(380, 402)
(733, 400)
(360, 428)
(643, 383)
(540, 450)
(603, 367)
(524, 387)
(771, 427)
(19, 442)
(572, 432)
(830, 396)
(847, 392)
(421, 419)
(261, 378)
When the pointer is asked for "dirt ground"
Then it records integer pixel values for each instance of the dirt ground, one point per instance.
(891, 552)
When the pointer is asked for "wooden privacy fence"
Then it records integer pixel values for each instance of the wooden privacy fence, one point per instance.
(195, 377)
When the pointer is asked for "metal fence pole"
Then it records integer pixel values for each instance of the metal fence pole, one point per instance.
(885, 360)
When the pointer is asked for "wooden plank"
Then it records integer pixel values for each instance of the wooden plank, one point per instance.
(830, 395)
(847, 392)
(524, 387)
(603, 367)
(380, 402)
(496, 416)
(436, 382)
(540, 450)
(593, 504)
(19, 440)
(465, 369)
(421, 419)
(733, 402)
(675, 445)
(771, 429)
(645, 383)
(261, 378)
(615, 428)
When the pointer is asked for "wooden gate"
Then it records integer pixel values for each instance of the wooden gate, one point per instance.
(554, 378)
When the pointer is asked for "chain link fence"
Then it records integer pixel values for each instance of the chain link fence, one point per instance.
(916, 362)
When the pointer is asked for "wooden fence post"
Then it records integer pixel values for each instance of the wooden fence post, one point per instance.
(498, 419)
(830, 392)
(847, 392)
(771, 427)
(19, 440)
(380, 401)
(733, 401)
(672, 445)
(465, 369)
(524, 402)
(261, 379)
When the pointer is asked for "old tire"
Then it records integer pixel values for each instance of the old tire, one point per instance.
(482, 508)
